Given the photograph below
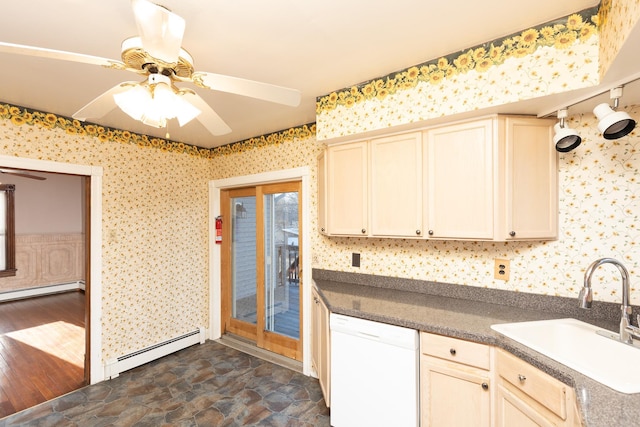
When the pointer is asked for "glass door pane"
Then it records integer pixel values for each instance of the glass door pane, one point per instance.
(281, 264)
(243, 259)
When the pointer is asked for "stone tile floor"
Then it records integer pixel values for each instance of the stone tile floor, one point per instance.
(203, 385)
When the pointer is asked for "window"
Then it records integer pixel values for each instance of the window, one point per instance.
(7, 231)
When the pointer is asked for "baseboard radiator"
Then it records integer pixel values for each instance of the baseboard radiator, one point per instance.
(114, 367)
(41, 291)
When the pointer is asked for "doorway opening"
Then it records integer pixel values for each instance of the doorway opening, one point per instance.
(82, 317)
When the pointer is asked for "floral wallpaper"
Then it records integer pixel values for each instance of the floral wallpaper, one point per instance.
(552, 58)
(599, 205)
(155, 229)
(617, 20)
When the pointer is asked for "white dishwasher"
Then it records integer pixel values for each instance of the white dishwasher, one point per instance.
(374, 374)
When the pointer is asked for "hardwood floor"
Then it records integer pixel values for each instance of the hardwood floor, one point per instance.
(42, 345)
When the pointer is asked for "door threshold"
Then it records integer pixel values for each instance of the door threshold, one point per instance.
(246, 346)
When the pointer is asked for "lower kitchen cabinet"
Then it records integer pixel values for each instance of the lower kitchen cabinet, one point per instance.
(320, 345)
(526, 396)
(455, 382)
(463, 383)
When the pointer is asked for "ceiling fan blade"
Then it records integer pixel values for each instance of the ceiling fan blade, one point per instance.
(22, 174)
(41, 52)
(160, 30)
(104, 103)
(251, 88)
(209, 118)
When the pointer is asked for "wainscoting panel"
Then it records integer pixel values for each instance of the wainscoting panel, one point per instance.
(46, 259)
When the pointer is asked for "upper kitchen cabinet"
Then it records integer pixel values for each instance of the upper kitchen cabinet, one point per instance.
(396, 186)
(492, 179)
(374, 188)
(347, 184)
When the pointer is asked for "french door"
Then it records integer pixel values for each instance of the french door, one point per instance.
(261, 289)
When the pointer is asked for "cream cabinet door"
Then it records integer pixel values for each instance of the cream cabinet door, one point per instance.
(396, 186)
(531, 180)
(527, 396)
(512, 410)
(460, 181)
(453, 394)
(322, 193)
(320, 345)
(347, 177)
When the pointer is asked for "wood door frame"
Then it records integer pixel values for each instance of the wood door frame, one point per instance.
(302, 173)
(95, 370)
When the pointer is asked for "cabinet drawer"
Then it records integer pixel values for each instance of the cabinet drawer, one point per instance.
(456, 350)
(540, 386)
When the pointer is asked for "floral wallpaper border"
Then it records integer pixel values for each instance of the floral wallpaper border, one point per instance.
(561, 34)
(21, 116)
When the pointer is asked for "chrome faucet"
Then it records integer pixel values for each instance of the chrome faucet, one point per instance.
(627, 331)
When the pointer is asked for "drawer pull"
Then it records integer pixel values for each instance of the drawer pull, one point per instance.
(452, 351)
(485, 386)
(521, 378)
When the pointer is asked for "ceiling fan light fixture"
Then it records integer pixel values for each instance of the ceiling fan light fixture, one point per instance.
(134, 102)
(157, 52)
(155, 103)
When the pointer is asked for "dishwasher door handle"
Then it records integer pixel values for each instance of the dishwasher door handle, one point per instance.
(369, 336)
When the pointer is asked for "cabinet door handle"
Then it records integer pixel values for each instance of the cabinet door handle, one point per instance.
(364, 231)
(521, 378)
(485, 386)
(430, 232)
(452, 351)
(418, 232)
(322, 229)
(512, 233)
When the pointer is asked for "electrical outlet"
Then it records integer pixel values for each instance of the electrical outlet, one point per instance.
(502, 269)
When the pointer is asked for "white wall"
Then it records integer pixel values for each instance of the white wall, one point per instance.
(51, 206)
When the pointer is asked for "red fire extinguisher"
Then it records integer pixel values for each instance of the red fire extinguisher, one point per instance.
(219, 230)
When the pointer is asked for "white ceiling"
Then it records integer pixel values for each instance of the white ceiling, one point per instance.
(313, 46)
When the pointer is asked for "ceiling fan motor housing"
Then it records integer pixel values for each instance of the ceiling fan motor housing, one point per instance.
(135, 57)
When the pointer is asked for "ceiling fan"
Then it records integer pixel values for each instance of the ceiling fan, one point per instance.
(21, 173)
(156, 54)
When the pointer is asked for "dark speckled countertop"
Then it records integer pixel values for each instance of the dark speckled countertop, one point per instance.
(468, 312)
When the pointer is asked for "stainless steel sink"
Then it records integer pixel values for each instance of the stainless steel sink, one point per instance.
(580, 346)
